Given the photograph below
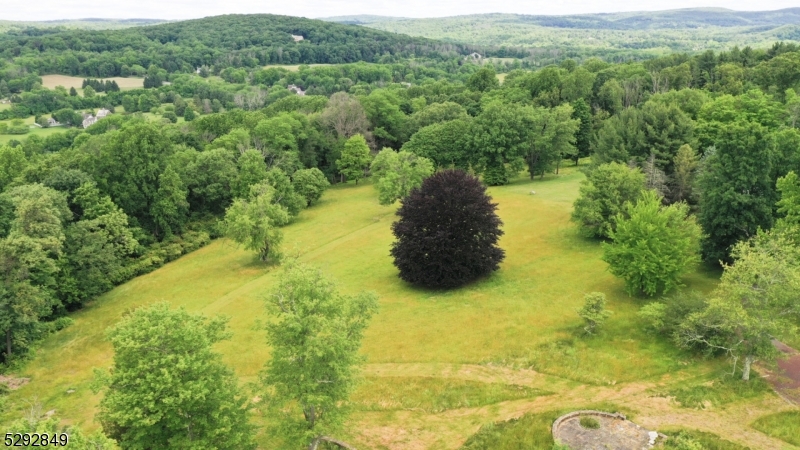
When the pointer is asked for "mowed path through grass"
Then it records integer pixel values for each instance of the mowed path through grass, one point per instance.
(517, 322)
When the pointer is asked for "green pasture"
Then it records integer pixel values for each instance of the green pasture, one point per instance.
(439, 363)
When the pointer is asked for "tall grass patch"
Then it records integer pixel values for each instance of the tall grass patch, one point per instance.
(784, 426)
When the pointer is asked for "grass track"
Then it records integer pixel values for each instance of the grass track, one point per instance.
(491, 331)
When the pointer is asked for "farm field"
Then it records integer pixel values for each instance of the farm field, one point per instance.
(293, 67)
(51, 81)
(439, 364)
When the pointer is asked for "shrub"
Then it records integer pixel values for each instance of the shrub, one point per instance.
(589, 422)
(594, 311)
(447, 233)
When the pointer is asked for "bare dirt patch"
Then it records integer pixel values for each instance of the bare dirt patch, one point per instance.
(785, 378)
(13, 382)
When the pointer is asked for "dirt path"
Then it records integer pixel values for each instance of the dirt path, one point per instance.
(446, 430)
(786, 378)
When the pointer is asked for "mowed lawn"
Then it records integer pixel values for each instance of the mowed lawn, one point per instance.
(523, 316)
(51, 81)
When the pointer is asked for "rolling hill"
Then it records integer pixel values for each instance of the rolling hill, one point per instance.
(687, 30)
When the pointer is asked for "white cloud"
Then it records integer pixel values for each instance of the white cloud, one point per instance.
(187, 9)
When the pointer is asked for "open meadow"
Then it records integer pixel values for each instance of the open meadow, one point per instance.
(51, 81)
(439, 364)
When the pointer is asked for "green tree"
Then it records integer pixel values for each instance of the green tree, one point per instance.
(737, 192)
(397, 173)
(789, 207)
(501, 138)
(354, 159)
(686, 163)
(128, 166)
(446, 144)
(310, 183)
(653, 246)
(483, 80)
(167, 388)
(552, 138)
(95, 249)
(315, 337)
(188, 114)
(602, 197)
(755, 301)
(254, 222)
(285, 194)
(382, 107)
(583, 137)
(593, 312)
(170, 208)
(89, 92)
(73, 92)
(28, 255)
(252, 170)
(12, 163)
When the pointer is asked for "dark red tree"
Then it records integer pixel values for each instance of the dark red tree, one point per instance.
(447, 233)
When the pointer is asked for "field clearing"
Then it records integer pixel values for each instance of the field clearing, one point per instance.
(514, 331)
(51, 81)
(293, 67)
(40, 132)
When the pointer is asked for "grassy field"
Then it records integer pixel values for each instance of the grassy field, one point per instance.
(51, 81)
(440, 364)
(294, 67)
(34, 131)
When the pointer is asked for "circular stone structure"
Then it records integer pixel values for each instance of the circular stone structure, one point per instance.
(615, 432)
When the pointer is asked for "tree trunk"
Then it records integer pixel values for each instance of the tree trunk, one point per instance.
(558, 164)
(748, 361)
(8, 344)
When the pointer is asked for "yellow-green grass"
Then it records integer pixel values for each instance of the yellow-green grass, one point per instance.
(51, 81)
(784, 426)
(512, 318)
(432, 394)
(36, 131)
(4, 106)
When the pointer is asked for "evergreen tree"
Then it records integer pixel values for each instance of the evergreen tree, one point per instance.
(583, 138)
(737, 192)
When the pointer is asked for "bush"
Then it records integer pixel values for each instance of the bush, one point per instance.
(447, 233)
(171, 116)
(594, 311)
(589, 422)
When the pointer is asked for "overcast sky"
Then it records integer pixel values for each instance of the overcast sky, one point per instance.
(188, 9)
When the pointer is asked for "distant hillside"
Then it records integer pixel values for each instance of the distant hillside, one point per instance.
(222, 41)
(84, 24)
(674, 30)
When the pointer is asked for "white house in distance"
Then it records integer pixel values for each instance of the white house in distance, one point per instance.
(89, 120)
(297, 38)
(297, 90)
